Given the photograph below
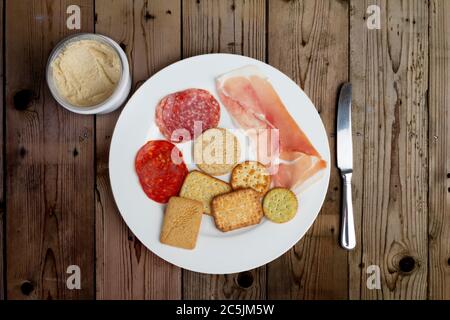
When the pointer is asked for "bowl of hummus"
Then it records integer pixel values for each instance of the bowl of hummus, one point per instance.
(89, 74)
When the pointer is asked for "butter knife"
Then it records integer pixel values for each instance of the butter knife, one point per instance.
(345, 165)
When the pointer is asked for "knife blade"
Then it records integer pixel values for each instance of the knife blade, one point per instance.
(345, 164)
(344, 130)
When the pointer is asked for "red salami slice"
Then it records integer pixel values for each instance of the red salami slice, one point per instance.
(181, 110)
(161, 170)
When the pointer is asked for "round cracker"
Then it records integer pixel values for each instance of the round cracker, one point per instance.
(216, 151)
(280, 205)
(251, 174)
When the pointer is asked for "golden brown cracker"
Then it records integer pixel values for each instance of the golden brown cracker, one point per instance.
(251, 174)
(216, 151)
(237, 209)
(181, 223)
(202, 187)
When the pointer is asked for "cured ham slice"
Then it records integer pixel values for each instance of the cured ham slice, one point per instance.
(299, 173)
(253, 104)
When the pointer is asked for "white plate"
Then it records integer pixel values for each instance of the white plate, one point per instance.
(216, 252)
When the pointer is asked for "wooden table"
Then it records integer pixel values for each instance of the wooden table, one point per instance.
(56, 203)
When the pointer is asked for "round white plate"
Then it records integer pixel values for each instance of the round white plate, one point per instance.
(216, 252)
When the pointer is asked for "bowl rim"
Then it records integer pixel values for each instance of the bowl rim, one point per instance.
(117, 94)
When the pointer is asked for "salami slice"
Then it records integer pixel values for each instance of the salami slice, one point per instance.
(183, 110)
(161, 170)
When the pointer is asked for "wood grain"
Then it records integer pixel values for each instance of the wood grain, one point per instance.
(439, 151)
(2, 190)
(54, 184)
(389, 71)
(357, 271)
(230, 27)
(49, 162)
(308, 40)
(149, 31)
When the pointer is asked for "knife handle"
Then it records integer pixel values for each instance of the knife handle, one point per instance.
(348, 238)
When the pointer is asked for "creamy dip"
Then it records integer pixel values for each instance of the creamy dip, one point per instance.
(86, 72)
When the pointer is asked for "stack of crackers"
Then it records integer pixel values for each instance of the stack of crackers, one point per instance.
(232, 205)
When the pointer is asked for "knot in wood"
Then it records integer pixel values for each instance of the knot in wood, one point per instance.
(27, 288)
(406, 264)
(245, 279)
(22, 99)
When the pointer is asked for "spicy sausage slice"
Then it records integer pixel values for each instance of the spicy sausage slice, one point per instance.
(161, 170)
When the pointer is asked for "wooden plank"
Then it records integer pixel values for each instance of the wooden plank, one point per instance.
(49, 162)
(2, 194)
(224, 26)
(357, 271)
(230, 27)
(308, 40)
(439, 151)
(389, 71)
(150, 34)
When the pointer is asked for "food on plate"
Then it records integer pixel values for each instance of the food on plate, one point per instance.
(216, 151)
(182, 219)
(237, 209)
(161, 170)
(253, 103)
(191, 114)
(201, 187)
(251, 174)
(300, 173)
(280, 205)
(182, 115)
(86, 72)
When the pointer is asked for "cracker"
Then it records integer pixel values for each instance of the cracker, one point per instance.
(181, 224)
(201, 187)
(216, 151)
(251, 174)
(280, 205)
(237, 209)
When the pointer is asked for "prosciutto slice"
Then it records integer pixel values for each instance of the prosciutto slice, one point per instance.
(253, 104)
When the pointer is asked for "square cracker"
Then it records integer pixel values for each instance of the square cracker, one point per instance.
(237, 209)
(181, 224)
(202, 187)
